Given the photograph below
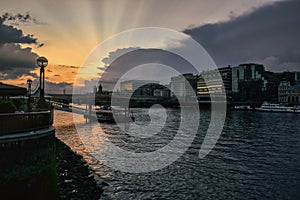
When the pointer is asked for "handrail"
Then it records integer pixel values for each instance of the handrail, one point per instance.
(24, 122)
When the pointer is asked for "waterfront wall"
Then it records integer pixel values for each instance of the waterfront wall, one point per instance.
(27, 160)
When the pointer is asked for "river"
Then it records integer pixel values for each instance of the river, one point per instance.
(256, 157)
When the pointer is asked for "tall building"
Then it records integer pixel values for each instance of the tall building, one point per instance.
(226, 74)
(271, 92)
(203, 94)
(180, 85)
(215, 83)
(250, 82)
(246, 72)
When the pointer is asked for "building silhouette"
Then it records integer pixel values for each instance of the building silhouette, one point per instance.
(184, 86)
(215, 83)
(250, 82)
(289, 88)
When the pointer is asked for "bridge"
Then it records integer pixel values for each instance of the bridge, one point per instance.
(87, 112)
(63, 101)
(81, 98)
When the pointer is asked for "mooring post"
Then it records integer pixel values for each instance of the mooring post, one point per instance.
(85, 115)
(90, 109)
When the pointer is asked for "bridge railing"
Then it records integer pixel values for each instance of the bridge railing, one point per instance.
(24, 122)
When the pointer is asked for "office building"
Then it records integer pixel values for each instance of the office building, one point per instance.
(184, 86)
(250, 82)
(214, 83)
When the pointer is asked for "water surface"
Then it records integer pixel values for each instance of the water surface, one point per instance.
(256, 157)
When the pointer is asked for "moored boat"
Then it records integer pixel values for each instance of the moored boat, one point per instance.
(242, 107)
(271, 107)
(109, 115)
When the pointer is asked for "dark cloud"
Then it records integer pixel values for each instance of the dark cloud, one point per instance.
(18, 18)
(67, 66)
(121, 64)
(10, 34)
(269, 35)
(16, 61)
(116, 54)
(40, 45)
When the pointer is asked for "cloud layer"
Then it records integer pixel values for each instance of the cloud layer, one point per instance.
(139, 57)
(269, 35)
(10, 34)
(15, 61)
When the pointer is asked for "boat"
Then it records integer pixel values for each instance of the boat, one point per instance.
(272, 107)
(242, 107)
(111, 115)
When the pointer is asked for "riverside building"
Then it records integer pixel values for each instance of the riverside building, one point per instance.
(250, 82)
(184, 86)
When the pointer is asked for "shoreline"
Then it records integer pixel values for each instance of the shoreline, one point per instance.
(75, 179)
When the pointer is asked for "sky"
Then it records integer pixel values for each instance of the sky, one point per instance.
(67, 31)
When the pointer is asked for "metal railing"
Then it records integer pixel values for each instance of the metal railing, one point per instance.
(24, 122)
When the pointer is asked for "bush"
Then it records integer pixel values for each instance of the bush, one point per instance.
(20, 104)
(7, 106)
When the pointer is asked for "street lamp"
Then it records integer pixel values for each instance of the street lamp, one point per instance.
(42, 62)
(29, 82)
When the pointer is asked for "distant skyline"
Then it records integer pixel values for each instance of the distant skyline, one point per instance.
(233, 32)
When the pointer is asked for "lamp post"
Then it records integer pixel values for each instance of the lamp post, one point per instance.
(29, 82)
(42, 62)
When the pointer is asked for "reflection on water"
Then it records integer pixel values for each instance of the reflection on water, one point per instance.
(257, 156)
